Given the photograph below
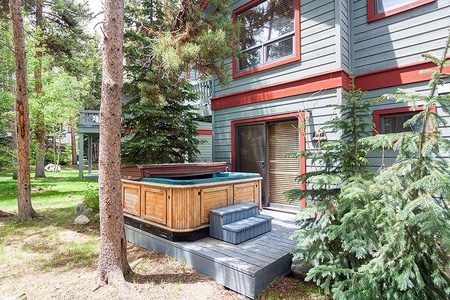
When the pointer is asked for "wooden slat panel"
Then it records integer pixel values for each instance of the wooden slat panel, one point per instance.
(131, 195)
(155, 204)
(183, 208)
(246, 192)
(213, 198)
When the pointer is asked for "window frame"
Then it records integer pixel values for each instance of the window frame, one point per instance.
(378, 114)
(278, 62)
(371, 16)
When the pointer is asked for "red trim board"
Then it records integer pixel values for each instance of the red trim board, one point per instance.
(324, 81)
(371, 16)
(204, 131)
(395, 76)
(338, 78)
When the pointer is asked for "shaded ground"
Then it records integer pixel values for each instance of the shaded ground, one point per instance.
(54, 259)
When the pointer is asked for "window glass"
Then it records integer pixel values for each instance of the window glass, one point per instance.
(268, 32)
(250, 59)
(381, 6)
(393, 123)
(280, 49)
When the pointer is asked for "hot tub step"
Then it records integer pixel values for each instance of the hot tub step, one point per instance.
(225, 215)
(246, 229)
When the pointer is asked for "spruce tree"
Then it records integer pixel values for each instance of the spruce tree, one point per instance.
(386, 236)
(165, 43)
(335, 189)
(411, 204)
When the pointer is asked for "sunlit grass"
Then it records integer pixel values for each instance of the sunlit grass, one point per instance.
(59, 190)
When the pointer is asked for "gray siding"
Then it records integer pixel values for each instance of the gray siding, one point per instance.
(205, 148)
(316, 103)
(375, 158)
(399, 39)
(343, 23)
(319, 49)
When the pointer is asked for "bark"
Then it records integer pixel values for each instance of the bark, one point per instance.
(25, 209)
(14, 145)
(112, 263)
(40, 124)
(73, 140)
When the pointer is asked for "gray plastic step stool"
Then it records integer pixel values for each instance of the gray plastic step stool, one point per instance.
(238, 223)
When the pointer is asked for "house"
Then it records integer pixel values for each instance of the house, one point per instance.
(298, 58)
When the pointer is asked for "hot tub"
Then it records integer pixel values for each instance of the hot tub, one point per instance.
(177, 208)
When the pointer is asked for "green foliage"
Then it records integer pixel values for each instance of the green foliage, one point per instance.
(161, 133)
(65, 157)
(330, 238)
(90, 198)
(385, 236)
(6, 96)
(165, 41)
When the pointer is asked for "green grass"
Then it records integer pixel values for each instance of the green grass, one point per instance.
(46, 243)
(59, 190)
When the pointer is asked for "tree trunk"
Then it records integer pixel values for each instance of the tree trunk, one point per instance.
(14, 144)
(40, 123)
(112, 263)
(25, 209)
(73, 140)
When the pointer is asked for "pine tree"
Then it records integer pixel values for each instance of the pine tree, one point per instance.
(387, 236)
(411, 204)
(165, 42)
(161, 132)
(335, 188)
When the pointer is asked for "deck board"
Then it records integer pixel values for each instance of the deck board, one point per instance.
(247, 268)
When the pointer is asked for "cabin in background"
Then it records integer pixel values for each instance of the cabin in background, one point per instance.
(299, 55)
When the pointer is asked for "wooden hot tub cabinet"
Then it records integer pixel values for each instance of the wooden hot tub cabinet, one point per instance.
(181, 211)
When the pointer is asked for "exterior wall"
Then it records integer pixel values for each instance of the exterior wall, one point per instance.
(397, 40)
(204, 130)
(325, 47)
(315, 103)
(385, 55)
(376, 158)
(318, 46)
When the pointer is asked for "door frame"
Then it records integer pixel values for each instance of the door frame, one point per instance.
(300, 116)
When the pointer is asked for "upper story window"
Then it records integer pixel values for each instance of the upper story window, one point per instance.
(270, 35)
(379, 9)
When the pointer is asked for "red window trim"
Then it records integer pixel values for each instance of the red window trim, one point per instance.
(397, 110)
(371, 16)
(277, 63)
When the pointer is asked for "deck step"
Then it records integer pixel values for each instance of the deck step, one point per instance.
(243, 230)
(237, 223)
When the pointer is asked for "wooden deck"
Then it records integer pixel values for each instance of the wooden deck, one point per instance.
(247, 268)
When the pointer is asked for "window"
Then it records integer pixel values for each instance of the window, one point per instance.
(378, 9)
(392, 120)
(270, 36)
(393, 123)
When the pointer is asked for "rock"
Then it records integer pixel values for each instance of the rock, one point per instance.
(79, 209)
(97, 217)
(81, 220)
(299, 268)
(87, 212)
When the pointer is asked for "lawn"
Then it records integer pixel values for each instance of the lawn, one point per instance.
(51, 258)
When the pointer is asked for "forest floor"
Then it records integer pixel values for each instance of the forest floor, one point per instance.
(52, 258)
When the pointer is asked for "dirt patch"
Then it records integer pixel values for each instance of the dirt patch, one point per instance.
(51, 259)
